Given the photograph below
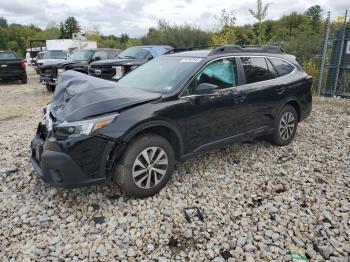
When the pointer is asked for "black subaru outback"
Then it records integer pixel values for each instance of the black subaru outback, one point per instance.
(172, 108)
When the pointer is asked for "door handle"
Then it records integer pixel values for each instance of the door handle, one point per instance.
(280, 90)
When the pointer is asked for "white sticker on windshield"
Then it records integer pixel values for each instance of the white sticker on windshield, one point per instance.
(191, 60)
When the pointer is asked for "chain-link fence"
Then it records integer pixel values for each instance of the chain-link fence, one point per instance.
(334, 78)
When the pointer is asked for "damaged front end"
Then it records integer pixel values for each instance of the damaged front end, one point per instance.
(68, 150)
(69, 155)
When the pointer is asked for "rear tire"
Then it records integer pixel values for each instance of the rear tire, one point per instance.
(50, 88)
(146, 166)
(24, 81)
(286, 125)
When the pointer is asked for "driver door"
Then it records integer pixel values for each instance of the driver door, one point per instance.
(216, 115)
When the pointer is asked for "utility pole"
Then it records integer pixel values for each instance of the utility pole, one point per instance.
(340, 54)
(324, 53)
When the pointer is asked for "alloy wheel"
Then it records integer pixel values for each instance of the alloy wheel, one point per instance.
(287, 125)
(150, 167)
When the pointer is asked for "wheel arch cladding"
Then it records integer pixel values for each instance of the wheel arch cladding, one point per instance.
(164, 130)
(296, 106)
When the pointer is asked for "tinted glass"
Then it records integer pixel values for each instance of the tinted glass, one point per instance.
(271, 68)
(282, 67)
(7, 56)
(40, 55)
(101, 54)
(55, 55)
(83, 55)
(255, 69)
(222, 73)
(135, 53)
(161, 75)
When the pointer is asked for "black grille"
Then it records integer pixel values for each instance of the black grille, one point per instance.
(106, 72)
(48, 71)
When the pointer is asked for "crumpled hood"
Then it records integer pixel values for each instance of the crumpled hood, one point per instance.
(78, 96)
(119, 62)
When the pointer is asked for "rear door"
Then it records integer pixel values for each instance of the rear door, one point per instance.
(261, 98)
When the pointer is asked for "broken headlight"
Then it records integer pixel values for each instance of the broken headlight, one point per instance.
(84, 127)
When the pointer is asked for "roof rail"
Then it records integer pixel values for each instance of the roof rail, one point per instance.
(273, 49)
(193, 48)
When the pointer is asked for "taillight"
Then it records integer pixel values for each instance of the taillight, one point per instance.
(23, 65)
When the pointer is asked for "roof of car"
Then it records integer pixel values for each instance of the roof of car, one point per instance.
(235, 50)
(97, 49)
(197, 53)
(154, 46)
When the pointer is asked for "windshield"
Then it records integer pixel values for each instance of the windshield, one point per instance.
(161, 75)
(40, 55)
(55, 55)
(8, 56)
(135, 53)
(82, 55)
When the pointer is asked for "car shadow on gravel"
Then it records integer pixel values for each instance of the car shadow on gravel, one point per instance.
(9, 82)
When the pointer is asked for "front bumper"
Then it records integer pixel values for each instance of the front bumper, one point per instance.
(71, 163)
(13, 75)
(47, 80)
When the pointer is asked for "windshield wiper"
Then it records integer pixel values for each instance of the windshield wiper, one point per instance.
(128, 56)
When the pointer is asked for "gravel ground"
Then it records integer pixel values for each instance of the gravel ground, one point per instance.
(257, 200)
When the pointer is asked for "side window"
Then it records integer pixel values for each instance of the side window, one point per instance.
(256, 70)
(222, 73)
(271, 68)
(101, 54)
(282, 67)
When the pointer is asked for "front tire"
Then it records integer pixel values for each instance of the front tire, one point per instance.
(50, 88)
(285, 127)
(146, 166)
(24, 80)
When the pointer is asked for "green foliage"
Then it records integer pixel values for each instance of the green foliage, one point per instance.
(69, 27)
(3, 22)
(311, 68)
(227, 34)
(179, 36)
(260, 15)
(314, 12)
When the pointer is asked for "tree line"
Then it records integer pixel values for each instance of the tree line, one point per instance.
(299, 34)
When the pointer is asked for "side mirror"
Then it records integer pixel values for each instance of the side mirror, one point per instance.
(205, 89)
(97, 58)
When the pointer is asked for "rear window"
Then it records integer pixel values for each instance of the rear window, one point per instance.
(283, 68)
(8, 56)
(256, 70)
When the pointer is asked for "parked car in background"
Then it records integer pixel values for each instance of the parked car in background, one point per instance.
(38, 57)
(171, 108)
(79, 61)
(12, 67)
(127, 61)
(51, 56)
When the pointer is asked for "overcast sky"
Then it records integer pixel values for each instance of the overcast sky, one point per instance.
(136, 16)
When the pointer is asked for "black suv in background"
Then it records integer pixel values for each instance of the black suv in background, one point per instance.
(171, 108)
(12, 67)
(127, 61)
(78, 61)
